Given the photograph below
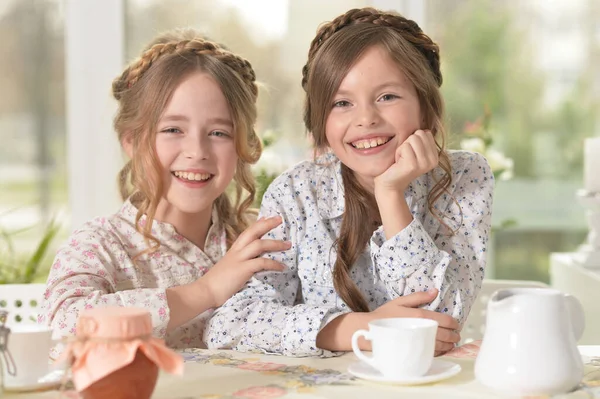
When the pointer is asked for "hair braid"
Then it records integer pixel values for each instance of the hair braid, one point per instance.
(193, 46)
(406, 27)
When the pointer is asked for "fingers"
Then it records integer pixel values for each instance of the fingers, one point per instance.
(428, 135)
(425, 148)
(443, 347)
(447, 335)
(417, 299)
(263, 264)
(423, 298)
(407, 154)
(256, 231)
(259, 247)
(444, 320)
(418, 144)
(398, 153)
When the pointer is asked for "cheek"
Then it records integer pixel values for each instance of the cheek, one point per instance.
(228, 159)
(406, 122)
(165, 153)
(334, 129)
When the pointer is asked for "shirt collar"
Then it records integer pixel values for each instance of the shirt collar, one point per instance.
(167, 235)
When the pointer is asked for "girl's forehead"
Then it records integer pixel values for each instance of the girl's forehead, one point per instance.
(198, 95)
(374, 68)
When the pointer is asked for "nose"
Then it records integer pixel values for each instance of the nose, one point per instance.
(196, 146)
(367, 116)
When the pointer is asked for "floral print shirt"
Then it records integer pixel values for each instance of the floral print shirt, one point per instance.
(95, 268)
(282, 312)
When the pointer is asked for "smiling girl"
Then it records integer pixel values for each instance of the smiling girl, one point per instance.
(385, 222)
(178, 246)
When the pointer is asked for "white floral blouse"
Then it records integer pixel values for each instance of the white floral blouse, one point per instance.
(95, 268)
(282, 312)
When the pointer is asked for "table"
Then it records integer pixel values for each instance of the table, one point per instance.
(220, 374)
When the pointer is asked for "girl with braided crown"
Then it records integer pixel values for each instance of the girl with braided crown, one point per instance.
(384, 222)
(187, 109)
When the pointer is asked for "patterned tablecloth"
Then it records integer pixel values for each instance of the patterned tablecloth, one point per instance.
(234, 375)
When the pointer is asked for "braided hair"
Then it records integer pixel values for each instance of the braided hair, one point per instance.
(143, 91)
(334, 50)
(196, 46)
(409, 30)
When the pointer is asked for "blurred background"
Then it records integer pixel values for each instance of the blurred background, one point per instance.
(520, 83)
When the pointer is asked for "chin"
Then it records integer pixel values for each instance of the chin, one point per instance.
(194, 208)
(191, 206)
(370, 171)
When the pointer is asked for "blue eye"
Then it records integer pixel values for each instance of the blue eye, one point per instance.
(388, 97)
(341, 104)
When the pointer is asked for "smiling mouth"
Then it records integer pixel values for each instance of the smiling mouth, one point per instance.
(190, 176)
(370, 143)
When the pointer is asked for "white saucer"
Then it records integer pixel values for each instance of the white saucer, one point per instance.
(51, 380)
(440, 370)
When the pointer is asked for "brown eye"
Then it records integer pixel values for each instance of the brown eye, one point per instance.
(171, 130)
(341, 104)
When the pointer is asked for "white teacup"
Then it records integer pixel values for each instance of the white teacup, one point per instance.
(29, 345)
(402, 347)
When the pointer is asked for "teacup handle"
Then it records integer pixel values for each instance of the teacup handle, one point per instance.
(356, 349)
(577, 315)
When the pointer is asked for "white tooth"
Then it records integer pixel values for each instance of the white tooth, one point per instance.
(373, 143)
(185, 175)
(197, 177)
(367, 144)
(380, 141)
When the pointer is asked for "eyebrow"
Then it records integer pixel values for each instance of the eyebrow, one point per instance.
(378, 87)
(221, 121)
(174, 118)
(183, 118)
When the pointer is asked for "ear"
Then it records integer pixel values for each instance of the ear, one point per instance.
(127, 144)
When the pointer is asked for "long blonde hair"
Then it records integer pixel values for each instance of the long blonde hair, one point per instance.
(336, 47)
(143, 91)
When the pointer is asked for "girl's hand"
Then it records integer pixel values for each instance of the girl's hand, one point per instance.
(417, 155)
(407, 306)
(242, 260)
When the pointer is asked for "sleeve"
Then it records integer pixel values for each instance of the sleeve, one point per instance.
(84, 275)
(264, 316)
(453, 263)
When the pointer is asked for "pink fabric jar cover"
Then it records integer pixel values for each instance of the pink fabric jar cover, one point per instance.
(107, 339)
